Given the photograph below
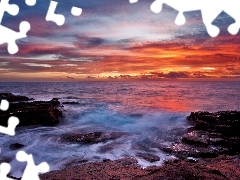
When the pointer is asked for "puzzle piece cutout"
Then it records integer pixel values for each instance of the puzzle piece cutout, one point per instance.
(4, 105)
(12, 124)
(59, 19)
(133, 1)
(7, 35)
(12, 121)
(4, 170)
(30, 2)
(31, 171)
(76, 11)
(210, 10)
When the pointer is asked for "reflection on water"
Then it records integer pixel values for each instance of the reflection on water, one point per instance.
(149, 113)
(161, 95)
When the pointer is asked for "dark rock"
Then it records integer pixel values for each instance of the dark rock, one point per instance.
(221, 168)
(148, 157)
(16, 146)
(106, 160)
(192, 159)
(75, 162)
(13, 98)
(73, 102)
(182, 150)
(32, 113)
(196, 138)
(201, 152)
(92, 138)
(55, 102)
(72, 97)
(212, 134)
(216, 129)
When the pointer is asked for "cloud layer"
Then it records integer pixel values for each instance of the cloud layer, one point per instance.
(118, 39)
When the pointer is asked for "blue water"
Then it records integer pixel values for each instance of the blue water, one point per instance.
(151, 113)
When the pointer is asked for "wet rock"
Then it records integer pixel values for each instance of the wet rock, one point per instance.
(192, 159)
(201, 152)
(71, 103)
(215, 129)
(221, 168)
(72, 97)
(183, 151)
(212, 134)
(16, 146)
(148, 157)
(183, 170)
(40, 113)
(55, 102)
(92, 138)
(126, 168)
(75, 162)
(106, 160)
(229, 166)
(196, 138)
(13, 98)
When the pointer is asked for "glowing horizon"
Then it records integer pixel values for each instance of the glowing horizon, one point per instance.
(116, 39)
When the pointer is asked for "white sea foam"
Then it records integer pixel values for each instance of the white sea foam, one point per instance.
(149, 113)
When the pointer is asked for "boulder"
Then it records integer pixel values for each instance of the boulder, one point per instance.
(214, 130)
(196, 138)
(211, 135)
(13, 98)
(40, 113)
(92, 138)
(16, 146)
(148, 157)
(72, 102)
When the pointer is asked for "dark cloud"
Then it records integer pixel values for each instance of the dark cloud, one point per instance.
(88, 42)
(171, 75)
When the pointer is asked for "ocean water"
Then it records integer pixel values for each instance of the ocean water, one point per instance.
(149, 113)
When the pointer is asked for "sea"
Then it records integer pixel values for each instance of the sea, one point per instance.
(149, 113)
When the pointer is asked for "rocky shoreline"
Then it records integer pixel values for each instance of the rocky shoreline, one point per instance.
(221, 168)
(211, 135)
(208, 150)
(31, 113)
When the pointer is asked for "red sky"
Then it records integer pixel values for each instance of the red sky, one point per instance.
(116, 39)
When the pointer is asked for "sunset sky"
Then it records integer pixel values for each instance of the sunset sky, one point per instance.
(113, 38)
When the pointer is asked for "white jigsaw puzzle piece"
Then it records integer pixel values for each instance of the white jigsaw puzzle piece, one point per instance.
(7, 35)
(12, 124)
(210, 10)
(12, 9)
(30, 2)
(76, 11)
(4, 170)
(133, 1)
(31, 171)
(4, 105)
(12, 121)
(51, 16)
(59, 19)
